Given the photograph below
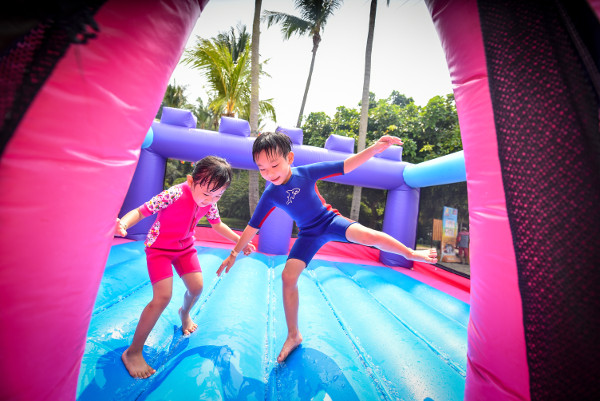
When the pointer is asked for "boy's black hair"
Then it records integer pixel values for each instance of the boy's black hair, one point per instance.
(213, 171)
(273, 143)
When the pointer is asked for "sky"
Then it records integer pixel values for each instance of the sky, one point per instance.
(407, 56)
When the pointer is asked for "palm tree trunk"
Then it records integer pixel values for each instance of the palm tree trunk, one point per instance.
(310, 71)
(364, 107)
(254, 99)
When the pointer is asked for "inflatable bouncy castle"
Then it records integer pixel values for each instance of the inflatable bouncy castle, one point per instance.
(80, 87)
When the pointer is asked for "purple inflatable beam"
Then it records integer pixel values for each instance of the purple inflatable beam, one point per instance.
(179, 140)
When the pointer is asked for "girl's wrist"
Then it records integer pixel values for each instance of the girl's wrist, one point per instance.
(234, 253)
(123, 225)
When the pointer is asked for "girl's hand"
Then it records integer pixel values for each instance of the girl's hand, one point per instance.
(120, 228)
(248, 249)
(385, 142)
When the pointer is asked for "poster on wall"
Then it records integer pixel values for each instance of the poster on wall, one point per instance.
(449, 232)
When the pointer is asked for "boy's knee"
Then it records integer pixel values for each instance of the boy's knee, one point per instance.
(289, 277)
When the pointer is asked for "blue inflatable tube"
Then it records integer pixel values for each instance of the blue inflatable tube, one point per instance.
(370, 333)
(447, 169)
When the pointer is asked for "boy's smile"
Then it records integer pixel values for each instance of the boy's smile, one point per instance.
(274, 167)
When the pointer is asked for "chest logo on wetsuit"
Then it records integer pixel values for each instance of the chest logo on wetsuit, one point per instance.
(292, 194)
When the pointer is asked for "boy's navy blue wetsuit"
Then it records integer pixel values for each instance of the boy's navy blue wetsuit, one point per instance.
(318, 223)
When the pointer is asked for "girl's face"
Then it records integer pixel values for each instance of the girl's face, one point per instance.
(202, 195)
(275, 167)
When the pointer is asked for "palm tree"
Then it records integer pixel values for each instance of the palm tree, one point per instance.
(207, 119)
(174, 97)
(254, 106)
(314, 15)
(228, 79)
(364, 106)
(235, 39)
(230, 63)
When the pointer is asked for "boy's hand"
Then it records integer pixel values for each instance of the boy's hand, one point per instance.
(227, 263)
(386, 141)
(120, 228)
(248, 249)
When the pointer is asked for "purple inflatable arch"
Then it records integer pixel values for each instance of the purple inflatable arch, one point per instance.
(175, 137)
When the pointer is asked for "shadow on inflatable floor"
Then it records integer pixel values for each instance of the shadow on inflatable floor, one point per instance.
(307, 374)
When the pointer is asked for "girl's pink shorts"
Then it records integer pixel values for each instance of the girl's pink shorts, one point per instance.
(160, 262)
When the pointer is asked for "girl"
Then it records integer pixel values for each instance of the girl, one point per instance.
(170, 241)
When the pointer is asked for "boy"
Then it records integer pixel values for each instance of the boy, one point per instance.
(294, 191)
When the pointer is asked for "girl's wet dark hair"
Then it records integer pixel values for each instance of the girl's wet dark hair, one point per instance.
(273, 143)
(213, 171)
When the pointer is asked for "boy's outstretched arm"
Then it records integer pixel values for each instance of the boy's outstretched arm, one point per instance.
(382, 144)
(224, 231)
(129, 220)
(247, 235)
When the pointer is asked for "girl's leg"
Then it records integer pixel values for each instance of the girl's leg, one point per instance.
(367, 236)
(194, 283)
(291, 272)
(132, 357)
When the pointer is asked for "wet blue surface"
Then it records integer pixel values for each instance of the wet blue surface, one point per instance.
(370, 333)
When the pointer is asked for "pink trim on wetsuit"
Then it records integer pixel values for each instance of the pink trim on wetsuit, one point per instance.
(178, 215)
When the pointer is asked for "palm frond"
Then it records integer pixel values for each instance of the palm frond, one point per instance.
(290, 24)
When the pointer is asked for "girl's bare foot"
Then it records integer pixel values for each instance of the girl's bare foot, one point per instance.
(136, 365)
(187, 324)
(290, 344)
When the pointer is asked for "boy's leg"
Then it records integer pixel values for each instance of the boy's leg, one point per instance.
(289, 277)
(194, 283)
(366, 236)
(132, 357)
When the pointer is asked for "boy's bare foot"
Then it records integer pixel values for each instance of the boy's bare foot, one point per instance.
(425, 255)
(187, 324)
(290, 344)
(136, 365)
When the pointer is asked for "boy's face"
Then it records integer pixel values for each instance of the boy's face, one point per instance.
(202, 195)
(274, 167)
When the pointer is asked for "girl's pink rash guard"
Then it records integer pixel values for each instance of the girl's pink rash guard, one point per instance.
(177, 217)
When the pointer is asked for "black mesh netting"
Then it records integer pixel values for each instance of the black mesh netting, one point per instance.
(546, 118)
(35, 37)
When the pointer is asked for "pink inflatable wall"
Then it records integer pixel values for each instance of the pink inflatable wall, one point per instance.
(528, 123)
(64, 176)
(496, 363)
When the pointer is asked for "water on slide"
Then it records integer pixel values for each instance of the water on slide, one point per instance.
(370, 333)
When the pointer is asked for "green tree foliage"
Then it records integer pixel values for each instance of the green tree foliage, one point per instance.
(176, 172)
(228, 80)
(345, 122)
(206, 117)
(174, 97)
(427, 132)
(236, 40)
(316, 129)
(225, 62)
